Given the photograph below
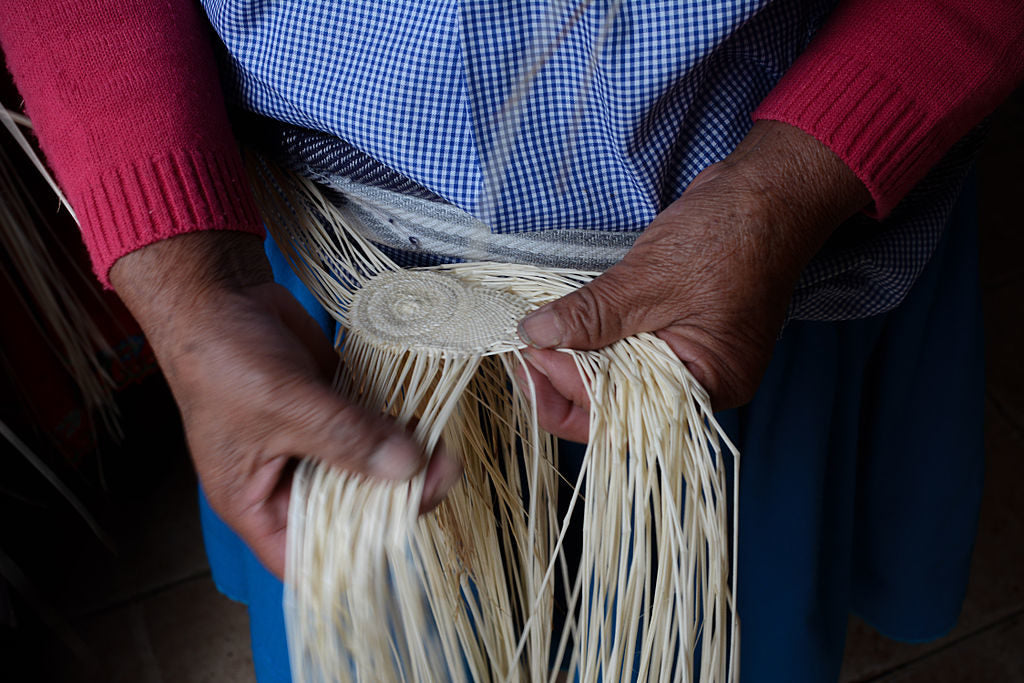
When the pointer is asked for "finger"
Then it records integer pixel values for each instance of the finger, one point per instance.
(443, 472)
(560, 370)
(270, 546)
(565, 411)
(605, 310)
(261, 519)
(729, 383)
(324, 426)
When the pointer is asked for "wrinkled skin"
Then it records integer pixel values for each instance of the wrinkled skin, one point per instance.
(250, 370)
(712, 275)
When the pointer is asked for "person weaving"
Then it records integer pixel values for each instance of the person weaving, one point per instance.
(752, 256)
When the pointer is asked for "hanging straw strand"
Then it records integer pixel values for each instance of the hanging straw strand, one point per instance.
(467, 592)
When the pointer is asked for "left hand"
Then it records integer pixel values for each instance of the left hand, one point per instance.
(251, 373)
(712, 275)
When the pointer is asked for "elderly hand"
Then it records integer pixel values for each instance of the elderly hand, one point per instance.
(251, 373)
(711, 276)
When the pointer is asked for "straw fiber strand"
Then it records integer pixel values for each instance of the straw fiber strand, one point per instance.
(467, 592)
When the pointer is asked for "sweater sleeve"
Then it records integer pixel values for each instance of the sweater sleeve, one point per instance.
(125, 102)
(890, 86)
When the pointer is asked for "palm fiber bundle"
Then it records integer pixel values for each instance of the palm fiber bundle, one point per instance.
(467, 592)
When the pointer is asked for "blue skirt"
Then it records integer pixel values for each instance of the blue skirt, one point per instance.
(861, 478)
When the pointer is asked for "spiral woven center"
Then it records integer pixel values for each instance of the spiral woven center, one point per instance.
(422, 309)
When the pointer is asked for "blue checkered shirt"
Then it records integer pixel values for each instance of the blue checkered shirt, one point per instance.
(548, 132)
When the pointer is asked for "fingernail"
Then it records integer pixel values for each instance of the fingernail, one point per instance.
(541, 329)
(396, 458)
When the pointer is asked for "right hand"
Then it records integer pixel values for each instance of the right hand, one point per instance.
(251, 372)
(711, 276)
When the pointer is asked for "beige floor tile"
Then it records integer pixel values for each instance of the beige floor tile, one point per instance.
(869, 654)
(995, 655)
(186, 634)
(997, 572)
(159, 543)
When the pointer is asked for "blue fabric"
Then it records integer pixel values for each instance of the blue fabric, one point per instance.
(240, 576)
(860, 482)
(621, 110)
(397, 74)
(862, 474)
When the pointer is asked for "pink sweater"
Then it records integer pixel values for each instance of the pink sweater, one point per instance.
(127, 106)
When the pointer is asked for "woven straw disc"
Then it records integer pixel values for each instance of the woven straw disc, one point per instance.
(429, 310)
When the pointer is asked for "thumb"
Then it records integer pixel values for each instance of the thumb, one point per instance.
(600, 313)
(348, 436)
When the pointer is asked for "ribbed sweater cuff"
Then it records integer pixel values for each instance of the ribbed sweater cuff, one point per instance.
(861, 115)
(126, 208)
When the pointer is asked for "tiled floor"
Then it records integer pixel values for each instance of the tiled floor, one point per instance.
(152, 614)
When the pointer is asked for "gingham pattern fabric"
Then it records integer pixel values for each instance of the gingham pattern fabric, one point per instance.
(549, 116)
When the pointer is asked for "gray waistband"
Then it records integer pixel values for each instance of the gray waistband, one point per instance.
(421, 226)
